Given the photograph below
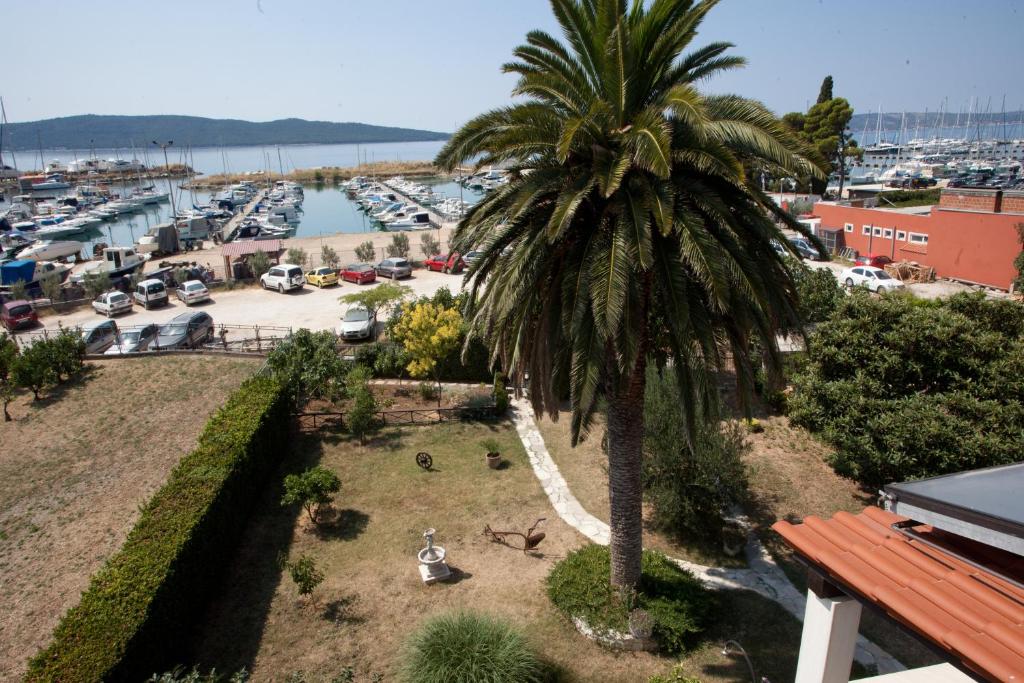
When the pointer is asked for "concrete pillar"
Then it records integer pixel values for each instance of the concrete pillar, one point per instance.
(828, 640)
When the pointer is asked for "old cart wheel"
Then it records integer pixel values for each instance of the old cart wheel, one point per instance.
(424, 460)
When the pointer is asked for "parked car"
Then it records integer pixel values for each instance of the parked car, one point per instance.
(448, 263)
(185, 331)
(471, 257)
(877, 260)
(101, 337)
(804, 248)
(112, 303)
(359, 273)
(150, 293)
(134, 340)
(283, 278)
(17, 314)
(394, 268)
(875, 279)
(358, 323)
(322, 277)
(192, 292)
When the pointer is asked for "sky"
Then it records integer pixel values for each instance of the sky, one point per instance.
(433, 64)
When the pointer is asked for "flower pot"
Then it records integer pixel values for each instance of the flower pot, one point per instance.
(493, 460)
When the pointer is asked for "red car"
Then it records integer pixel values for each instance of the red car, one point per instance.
(877, 261)
(17, 314)
(359, 273)
(452, 263)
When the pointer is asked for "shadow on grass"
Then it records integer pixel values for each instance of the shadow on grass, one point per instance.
(340, 611)
(342, 525)
(56, 392)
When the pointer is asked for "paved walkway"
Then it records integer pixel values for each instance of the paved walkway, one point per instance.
(763, 576)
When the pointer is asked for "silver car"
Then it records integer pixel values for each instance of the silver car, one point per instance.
(358, 323)
(192, 292)
(394, 268)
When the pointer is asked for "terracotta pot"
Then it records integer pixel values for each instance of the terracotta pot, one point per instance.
(493, 460)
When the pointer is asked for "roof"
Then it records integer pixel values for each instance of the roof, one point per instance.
(236, 249)
(965, 608)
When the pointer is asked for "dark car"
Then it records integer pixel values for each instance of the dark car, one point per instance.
(17, 314)
(876, 260)
(359, 273)
(185, 331)
(394, 268)
(451, 263)
(804, 248)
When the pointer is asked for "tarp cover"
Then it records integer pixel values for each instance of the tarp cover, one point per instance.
(17, 270)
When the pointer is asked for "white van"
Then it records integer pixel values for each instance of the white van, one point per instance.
(150, 293)
(283, 278)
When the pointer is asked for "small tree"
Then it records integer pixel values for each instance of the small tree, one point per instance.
(8, 355)
(19, 290)
(308, 364)
(429, 333)
(362, 415)
(66, 352)
(32, 369)
(298, 256)
(501, 400)
(379, 299)
(329, 257)
(6, 396)
(399, 245)
(305, 575)
(259, 263)
(95, 284)
(51, 287)
(312, 489)
(429, 245)
(366, 252)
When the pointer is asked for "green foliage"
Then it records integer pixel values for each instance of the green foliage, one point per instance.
(1018, 262)
(818, 292)
(8, 353)
(309, 366)
(305, 574)
(312, 490)
(52, 289)
(140, 608)
(378, 299)
(181, 275)
(258, 263)
(180, 675)
(490, 445)
(467, 647)
(95, 284)
(366, 252)
(389, 361)
(297, 255)
(329, 257)
(18, 290)
(676, 675)
(905, 388)
(678, 603)
(501, 399)
(33, 368)
(428, 392)
(429, 333)
(903, 198)
(399, 245)
(690, 485)
(825, 94)
(429, 245)
(362, 414)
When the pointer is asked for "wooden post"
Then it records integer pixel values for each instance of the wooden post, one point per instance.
(831, 621)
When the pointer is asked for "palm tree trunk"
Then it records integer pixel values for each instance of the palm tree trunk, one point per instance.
(625, 486)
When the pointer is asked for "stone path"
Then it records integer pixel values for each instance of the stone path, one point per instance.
(763, 575)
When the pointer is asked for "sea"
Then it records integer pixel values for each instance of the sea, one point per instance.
(326, 210)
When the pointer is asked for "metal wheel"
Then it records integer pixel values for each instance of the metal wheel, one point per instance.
(424, 460)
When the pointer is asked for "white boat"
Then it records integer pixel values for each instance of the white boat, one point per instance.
(56, 232)
(116, 261)
(417, 221)
(51, 250)
(150, 197)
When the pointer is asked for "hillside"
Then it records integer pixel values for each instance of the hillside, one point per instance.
(81, 132)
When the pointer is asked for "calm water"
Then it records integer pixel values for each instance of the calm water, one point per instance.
(326, 209)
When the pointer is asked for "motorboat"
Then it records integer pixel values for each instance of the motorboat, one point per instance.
(54, 181)
(31, 273)
(115, 262)
(417, 221)
(44, 250)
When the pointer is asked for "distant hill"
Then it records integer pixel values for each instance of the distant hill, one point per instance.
(81, 132)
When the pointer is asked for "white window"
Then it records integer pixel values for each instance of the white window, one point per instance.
(878, 232)
(887, 233)
(918, 238)
(901, 235)
(848, 227)
(866, 230)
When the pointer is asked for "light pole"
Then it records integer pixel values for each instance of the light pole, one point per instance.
(167, 167)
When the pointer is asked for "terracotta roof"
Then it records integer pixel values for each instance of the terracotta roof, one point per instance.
(975, 615)
(236, 249)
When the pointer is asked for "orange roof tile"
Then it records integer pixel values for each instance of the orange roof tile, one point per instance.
(974, 615)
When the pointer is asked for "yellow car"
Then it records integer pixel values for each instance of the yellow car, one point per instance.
(322, 277)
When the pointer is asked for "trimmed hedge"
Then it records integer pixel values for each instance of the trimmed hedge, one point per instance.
(139, 608)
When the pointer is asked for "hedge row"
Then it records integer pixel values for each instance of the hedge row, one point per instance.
(137, 613)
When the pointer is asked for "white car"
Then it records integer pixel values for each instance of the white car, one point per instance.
(112, 303)
(875, 279)
(358, 323)
(192, 292)
(283, 278)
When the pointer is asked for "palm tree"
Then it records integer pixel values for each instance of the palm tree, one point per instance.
(628, 231)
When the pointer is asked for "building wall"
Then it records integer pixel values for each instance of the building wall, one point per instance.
(968, 245)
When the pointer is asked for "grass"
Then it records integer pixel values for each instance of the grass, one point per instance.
(77, 465)
(899, 199)
(372, 599)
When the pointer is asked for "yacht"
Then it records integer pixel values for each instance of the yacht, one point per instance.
(45, 250)
(417, 221)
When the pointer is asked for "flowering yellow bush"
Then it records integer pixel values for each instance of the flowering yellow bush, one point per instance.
(428, 332)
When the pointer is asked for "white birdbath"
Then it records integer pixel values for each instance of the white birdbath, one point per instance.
(431, 558)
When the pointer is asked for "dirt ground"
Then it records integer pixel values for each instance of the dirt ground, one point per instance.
(372, 598)
(76, 467)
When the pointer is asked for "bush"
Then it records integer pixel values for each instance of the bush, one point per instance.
(818, 291)
(689, 487)
(312, 490)
(329, 257)
(677, 602)
(304, 574)
(429, 245)
(906, 388)
(501, 400)
(298, 256)
(469, 648)
(258, 263)
(308, 365)
(95, 284)
(32, 369)
(676, 675)
(399, 245)
(140, 609)
(362, 415)
(366, 252)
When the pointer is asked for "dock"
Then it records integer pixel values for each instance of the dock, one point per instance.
(240, 216)
(436, 219)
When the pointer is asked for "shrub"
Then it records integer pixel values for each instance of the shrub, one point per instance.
(469, 648)
(298, 256)
(689, 485)
(676, 675)
(366, 252)
(52, 288)
(18, 290)
(329, 257)
(427, 391)
(259, 263)
(429, 333)
(818, 291)
(308, 365)
(429, 245)
(362, 415)
(312, 490)
(677, 602)
(905, 388)
(399, 245)
(305, 574)
(95, 284)
(33, 369)
(66, 353)
(501, 399)
(180, 675)
(140, 608)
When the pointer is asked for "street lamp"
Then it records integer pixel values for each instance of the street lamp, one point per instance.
(167, 167)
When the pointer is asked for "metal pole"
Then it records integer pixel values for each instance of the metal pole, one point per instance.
(167, 168)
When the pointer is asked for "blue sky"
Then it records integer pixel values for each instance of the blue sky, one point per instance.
(434, 63)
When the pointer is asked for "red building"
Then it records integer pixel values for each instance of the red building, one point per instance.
(971, 235)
